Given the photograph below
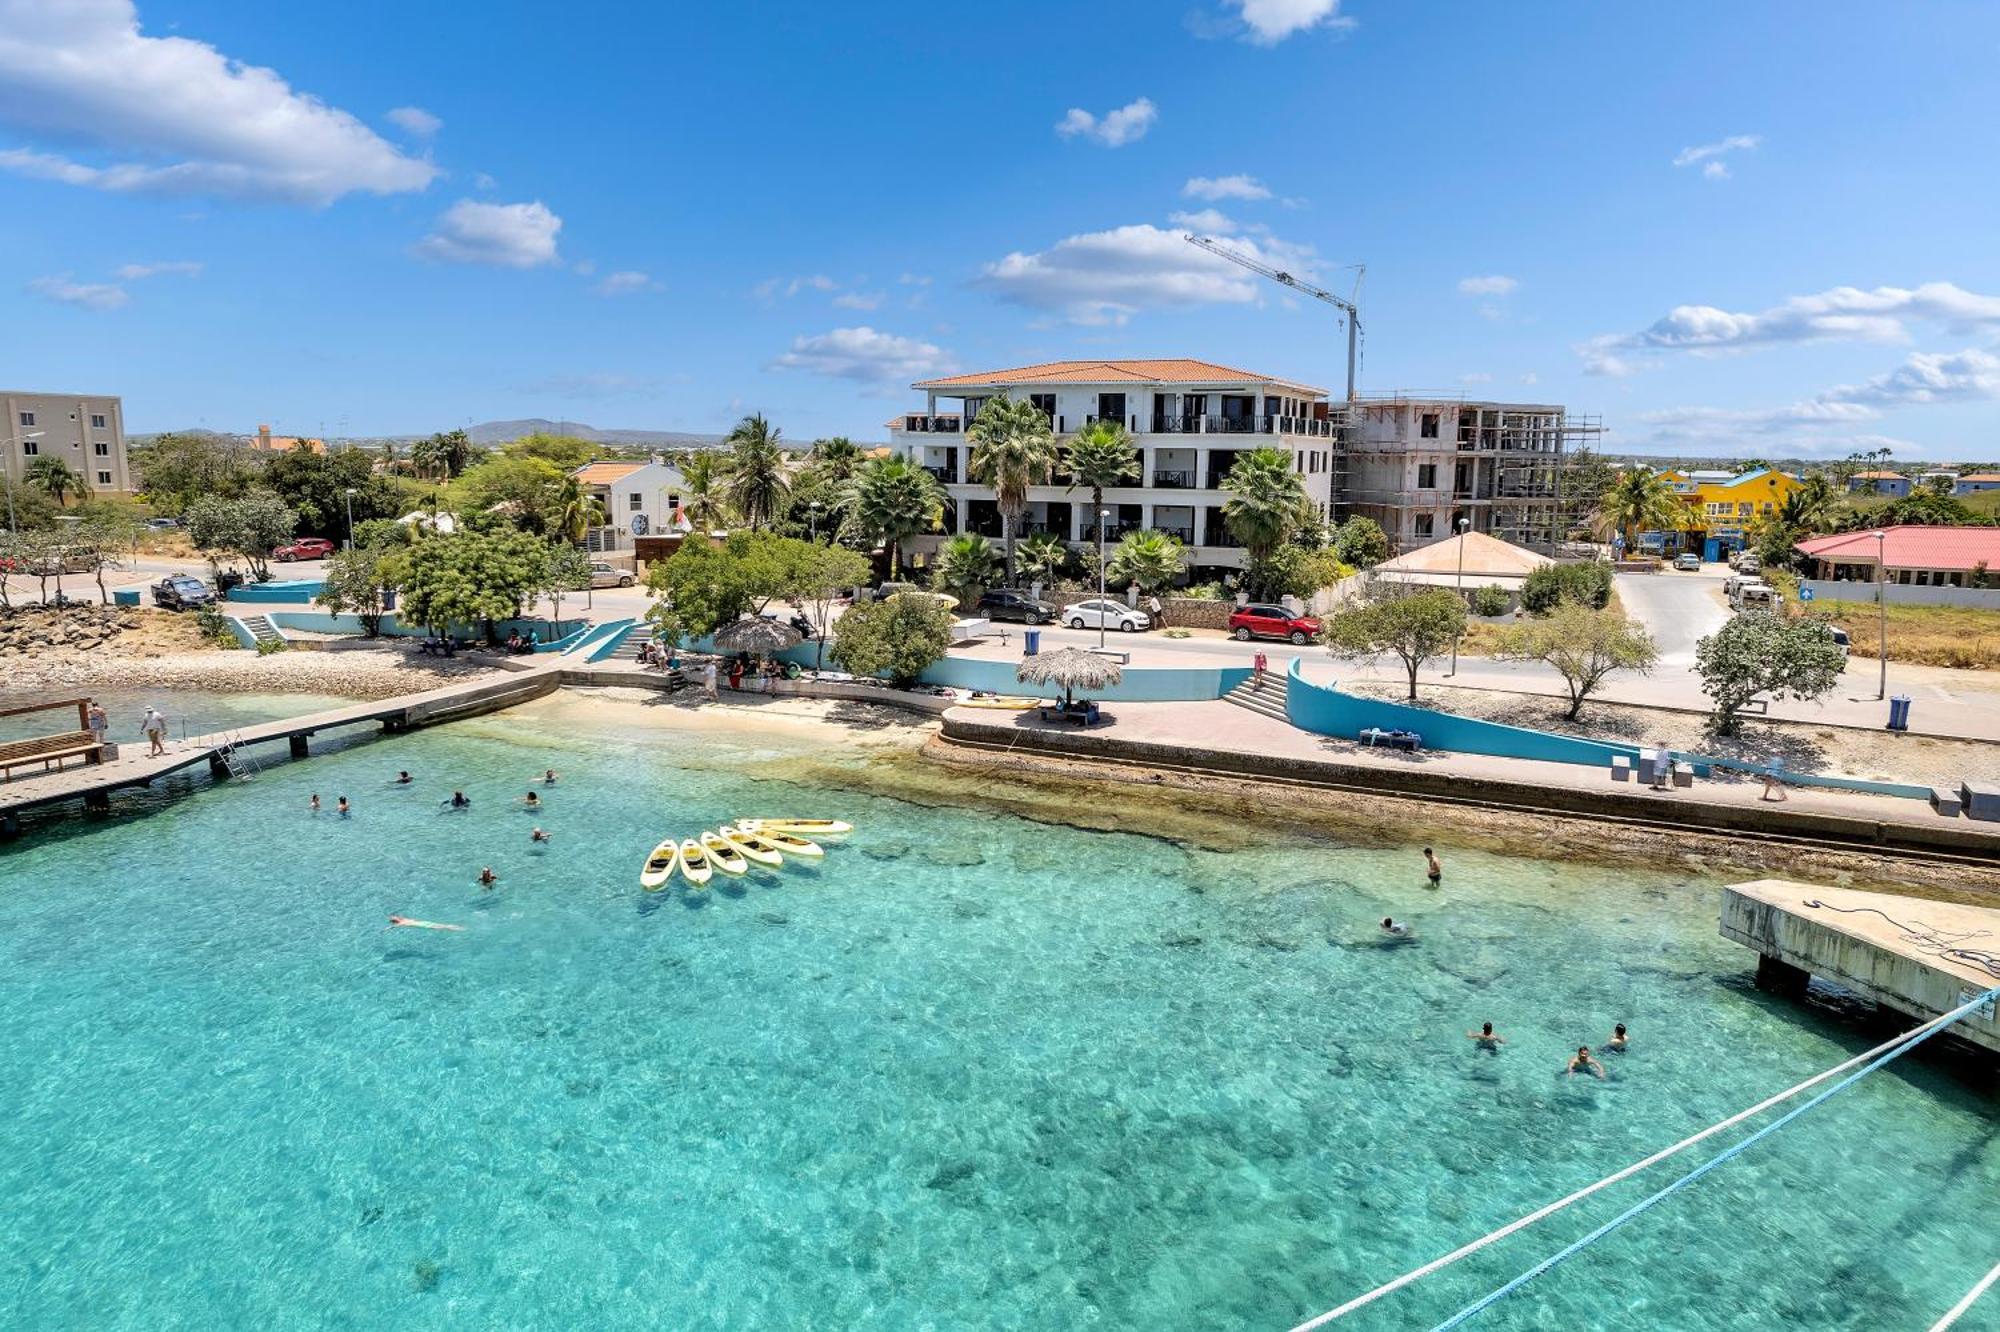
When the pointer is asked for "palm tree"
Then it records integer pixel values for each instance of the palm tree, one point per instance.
(1811, 507)
(577, 511)
(1102, 456)
(965, 567)
(1151, 559)
(757, 480)
(1013, 448)
(57, 479)
(702, 502)
(1042, 557)
(1639, 500)
(837, 458)
(893, 499)
(1267, 502)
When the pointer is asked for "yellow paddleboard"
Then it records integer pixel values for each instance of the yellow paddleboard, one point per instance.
(791, 845)
(799, 827)
(694, 864)
(753, 846)
(660, 866)
(722, 855)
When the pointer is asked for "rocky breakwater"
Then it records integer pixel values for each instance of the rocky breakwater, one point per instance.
(30, 630)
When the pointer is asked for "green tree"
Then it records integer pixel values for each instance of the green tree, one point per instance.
(705, 585)
(315, 486)
(576, 511)
(1151, 559)
(523, 491)
(471, 578)
(1587, 583)
(899, 636)
(354, 583)
(56, 479)
(757, 480)
(1584, 646)
(894, 500)
(95, 544)
(247, 527)
(1415, 626)
(444, 456)
(384, 532)
(1101, 457)
(702, 500)
(1759, 652)
(175, 470)
(1042, 557)
(1267, 502)
(1013, 448)
(1293, 571)
(814, 576)
(1640, 500)
(30, 509)
(1361, 542)
(566, 570)
(965, 567)
(837, 458)
(565, 453)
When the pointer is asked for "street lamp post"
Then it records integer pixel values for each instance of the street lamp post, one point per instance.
(1463, 523)
(1102, 514)
(350, 517)
(1882, 609)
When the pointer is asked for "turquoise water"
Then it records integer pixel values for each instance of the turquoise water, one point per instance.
(197, 711)
(972, 1072)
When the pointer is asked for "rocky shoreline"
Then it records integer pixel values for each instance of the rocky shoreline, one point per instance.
(359, 673)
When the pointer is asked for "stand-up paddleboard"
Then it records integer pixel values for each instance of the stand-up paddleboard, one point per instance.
(753, 846)
(409, 923)
(722, 855)
(660, 866)
(799, 827)
(694, 864)
(791, 844)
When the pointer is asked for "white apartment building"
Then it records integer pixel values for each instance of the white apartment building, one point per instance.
(87, 431)
(1189, 420)
(641, 500)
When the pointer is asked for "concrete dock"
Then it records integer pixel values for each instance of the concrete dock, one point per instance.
(1910, 954)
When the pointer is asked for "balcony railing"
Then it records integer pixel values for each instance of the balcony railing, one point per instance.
(1241, 425)
(948, 475)
(917, 423)
(1184, 534)
(1173, 480)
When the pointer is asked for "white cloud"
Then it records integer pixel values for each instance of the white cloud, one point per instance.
(1880, 315)
(1710, 155)
(415, 120)
(89, 295)
(865, 354)
(1212, 188)
(1476, 377)
(1205, 219)
(1926, 378)
(1271, 21)
(177, 267)
(1531, 378)
(178, 116)
(625, 282)
(1127, 124)
(1496, 284)
(516, 235)
(1104, 277)
(482, 181)
(860, 300)
(915, 280)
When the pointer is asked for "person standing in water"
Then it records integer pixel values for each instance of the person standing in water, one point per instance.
(1583, 1063)
(549, 777)
(403, 779)
(532, 801)
(1485, 1039)
(1618, 1044)
(313, 804)
(487, 878)
(1433, 867)
(538, 836)
(340, 807)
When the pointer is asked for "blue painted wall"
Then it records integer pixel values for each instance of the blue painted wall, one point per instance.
(301, 590)
(325, 622)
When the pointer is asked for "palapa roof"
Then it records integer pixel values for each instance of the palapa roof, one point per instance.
(757, 633)
(1069, 668)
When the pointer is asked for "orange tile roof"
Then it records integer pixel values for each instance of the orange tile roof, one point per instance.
(604, 473)
(1980, 476)
(1172, 370)
(1878, 476)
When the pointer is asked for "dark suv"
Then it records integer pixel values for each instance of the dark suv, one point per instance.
(1006, 603)
(180, 592)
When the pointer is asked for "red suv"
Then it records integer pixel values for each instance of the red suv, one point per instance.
(305, 548)
(1255, 621)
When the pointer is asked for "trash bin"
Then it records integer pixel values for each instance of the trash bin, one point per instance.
(388, 598)
(1899, 713)
(1031, 642)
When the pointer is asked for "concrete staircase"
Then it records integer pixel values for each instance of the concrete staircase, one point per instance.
(1268, 701)
(261, 628)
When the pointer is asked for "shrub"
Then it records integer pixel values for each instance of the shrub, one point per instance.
(1586, 584)
(898, 637)
(1490, 600)
(267, 646)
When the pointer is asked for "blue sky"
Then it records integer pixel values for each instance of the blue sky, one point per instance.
(1757, 229)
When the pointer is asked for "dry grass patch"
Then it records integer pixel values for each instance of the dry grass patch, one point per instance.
(1926, 635)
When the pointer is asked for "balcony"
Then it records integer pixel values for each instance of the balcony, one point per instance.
(1241, 425)
(946, 475)
(1185, 535)
(1173, 480)
(916, 423)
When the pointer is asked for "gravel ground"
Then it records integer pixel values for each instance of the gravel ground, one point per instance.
(1880, 756)
(356, 673)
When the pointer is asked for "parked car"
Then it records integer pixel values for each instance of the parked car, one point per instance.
(65, 563)
(163, 524)
(606, 575)
(1749, 564)
(181, 592)
(1009, 603)
(1840, 639)
(1261, 621)
(1688, 562)
(304, 548)
(1105, 614)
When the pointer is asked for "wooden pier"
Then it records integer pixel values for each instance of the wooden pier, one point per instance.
(1910, 954)
(94, 784)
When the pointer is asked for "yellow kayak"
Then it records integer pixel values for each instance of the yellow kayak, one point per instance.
(791, 845)
(722, 855)
(1002, 702)
(754, 846)
(694, 864)
(798, 827)
(660, 866)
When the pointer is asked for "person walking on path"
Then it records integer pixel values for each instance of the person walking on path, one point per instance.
(155, 728)
(99, 722)
(1258, 665)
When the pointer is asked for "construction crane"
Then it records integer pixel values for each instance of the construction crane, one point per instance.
(1347, 307)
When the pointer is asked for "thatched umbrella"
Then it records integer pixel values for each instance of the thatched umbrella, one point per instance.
(1071, 668)
(757, 634)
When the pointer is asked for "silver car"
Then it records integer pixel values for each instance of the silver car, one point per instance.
(1105, 614)
(607, 575)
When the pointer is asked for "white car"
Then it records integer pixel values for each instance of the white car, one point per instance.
(605, 575)
(1105, 614)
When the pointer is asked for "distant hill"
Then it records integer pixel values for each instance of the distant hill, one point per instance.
(499, 432)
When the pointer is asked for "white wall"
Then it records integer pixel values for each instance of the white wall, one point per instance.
(1904, 594)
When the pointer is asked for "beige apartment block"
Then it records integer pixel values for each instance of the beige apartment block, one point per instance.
(85, 430)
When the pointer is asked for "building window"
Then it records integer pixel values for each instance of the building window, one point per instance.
(30, 447)
(104, 478)
(27, 418)
(635, 501)
(1427, 476)
(102, 449)
(1045, 403)
(1424, 524)
(96, 421)
(1428, 427)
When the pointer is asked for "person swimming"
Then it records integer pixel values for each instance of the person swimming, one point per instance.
(1618, 1044)
(1434, 870)
(549, 777)
(487, 878)
(1390, 925)
(313, 804)
(1583, 1063)
(538, 836)
(459, 800)
(408, 922)
(532, 801)
(1485, 1039)
(403, 779)
(341, 808)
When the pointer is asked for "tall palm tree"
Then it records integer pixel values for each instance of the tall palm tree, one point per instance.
(757, 480)
(1102, 456)
(1639, 500)
(702, 501)
(1267, 502)
(1811, 507)
(837, 458)
(1151, 559)
(57, 479)
(577, 511)
(1042, 557)
(965, 567)
(1013, 448)
(893, 499)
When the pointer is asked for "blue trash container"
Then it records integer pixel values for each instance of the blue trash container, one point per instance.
(1899, 713)
(1031, 642)
(388, 598)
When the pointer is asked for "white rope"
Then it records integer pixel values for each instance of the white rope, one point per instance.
(1513, 1227)
(1971, 1298)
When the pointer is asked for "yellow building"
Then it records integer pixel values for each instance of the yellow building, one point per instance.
(1722, 508)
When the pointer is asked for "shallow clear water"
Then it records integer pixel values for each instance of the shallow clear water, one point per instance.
(972, 1072)
(188, 711)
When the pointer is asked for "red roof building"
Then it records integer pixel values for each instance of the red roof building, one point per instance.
(1921, 555)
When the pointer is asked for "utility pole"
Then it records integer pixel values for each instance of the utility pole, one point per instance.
(1347, 307)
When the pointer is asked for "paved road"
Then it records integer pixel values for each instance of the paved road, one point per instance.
(1677, 608)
